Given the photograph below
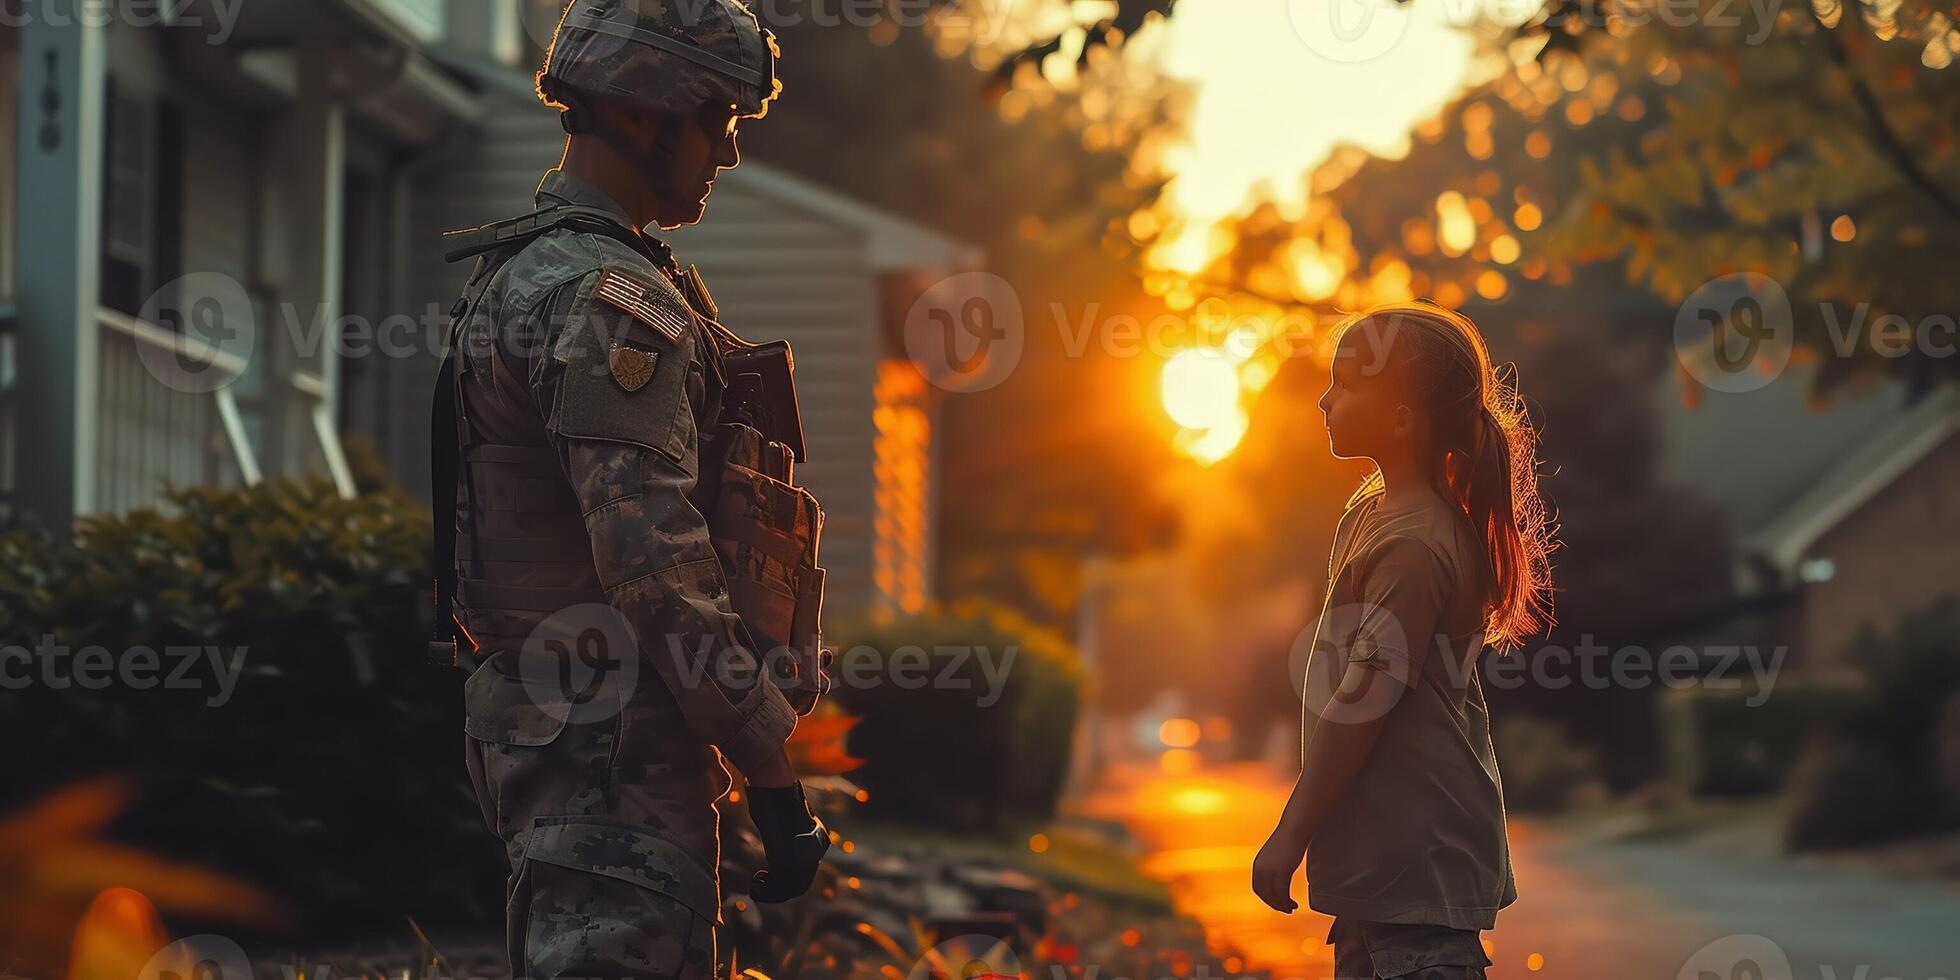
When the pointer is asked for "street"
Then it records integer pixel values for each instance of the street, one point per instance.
(1585, 910)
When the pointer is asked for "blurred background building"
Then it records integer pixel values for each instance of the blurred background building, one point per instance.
(1837, 511)
(281, 182)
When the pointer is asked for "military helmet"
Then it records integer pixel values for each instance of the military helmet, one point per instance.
(667, 56)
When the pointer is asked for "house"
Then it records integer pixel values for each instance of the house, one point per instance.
(220, 261)
(1843, 508)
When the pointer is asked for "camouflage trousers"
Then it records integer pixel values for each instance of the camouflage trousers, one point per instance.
(606, 809)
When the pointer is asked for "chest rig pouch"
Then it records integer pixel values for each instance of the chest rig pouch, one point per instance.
(764, 527)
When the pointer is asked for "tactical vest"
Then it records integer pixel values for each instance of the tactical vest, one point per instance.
(510, 504)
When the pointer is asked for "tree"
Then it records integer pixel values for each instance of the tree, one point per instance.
(1816, 146)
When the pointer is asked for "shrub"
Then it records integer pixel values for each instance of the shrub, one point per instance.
(1846, 794)
(1881, 778)
(332, 773)
(1719, 744)
(935, 754)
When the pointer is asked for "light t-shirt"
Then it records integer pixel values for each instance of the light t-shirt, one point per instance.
(1419, 836)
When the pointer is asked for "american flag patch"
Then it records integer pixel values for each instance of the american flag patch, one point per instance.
(645, 302)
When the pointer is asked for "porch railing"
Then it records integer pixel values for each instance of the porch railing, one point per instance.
(151, 433)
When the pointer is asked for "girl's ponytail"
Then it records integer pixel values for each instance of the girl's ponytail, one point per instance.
(1487, 460)
(1501, 496)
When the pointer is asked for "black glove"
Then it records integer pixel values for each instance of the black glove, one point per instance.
(793, 840)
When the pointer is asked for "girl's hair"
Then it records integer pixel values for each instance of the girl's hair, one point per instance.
(1488, 459)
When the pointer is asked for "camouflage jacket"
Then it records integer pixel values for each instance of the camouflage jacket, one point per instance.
(583, 345)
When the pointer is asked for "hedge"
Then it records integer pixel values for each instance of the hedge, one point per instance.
(939, 751)
(332, 774)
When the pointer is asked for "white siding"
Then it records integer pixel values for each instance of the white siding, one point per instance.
(777, 273)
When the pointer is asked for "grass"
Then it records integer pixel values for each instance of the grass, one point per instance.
(1077, 858)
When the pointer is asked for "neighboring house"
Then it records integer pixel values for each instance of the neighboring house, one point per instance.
(1844, 508)
(218, 260)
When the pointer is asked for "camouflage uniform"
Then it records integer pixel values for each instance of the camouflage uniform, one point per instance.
(585, 381)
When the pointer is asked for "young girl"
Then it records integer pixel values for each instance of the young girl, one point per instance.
(1443, 550)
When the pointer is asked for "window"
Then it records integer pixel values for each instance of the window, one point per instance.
(142, 200)
(9, 84)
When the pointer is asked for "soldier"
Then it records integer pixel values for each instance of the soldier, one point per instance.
(585, 380)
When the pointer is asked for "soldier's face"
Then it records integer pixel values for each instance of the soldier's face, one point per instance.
(706, 147)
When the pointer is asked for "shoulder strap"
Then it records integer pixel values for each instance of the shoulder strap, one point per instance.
(521, 230)
(446, 450)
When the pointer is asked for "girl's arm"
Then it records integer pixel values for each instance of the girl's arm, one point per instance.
(1335, 755)
(1404, 585)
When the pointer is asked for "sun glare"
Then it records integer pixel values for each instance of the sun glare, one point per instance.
(1278, 87)
(1276, 96)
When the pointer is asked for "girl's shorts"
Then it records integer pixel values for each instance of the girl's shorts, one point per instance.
(1393, 951)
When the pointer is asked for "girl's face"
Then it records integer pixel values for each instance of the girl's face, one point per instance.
(1367, 414)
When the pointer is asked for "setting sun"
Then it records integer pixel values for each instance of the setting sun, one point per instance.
(1202, 394)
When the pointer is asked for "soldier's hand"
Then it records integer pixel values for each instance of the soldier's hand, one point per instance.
(794, 842)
